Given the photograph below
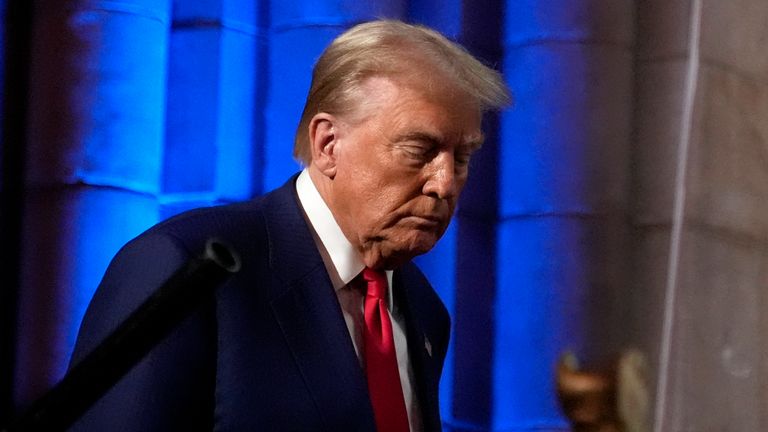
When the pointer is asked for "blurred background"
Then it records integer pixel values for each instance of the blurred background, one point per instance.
(620, 203)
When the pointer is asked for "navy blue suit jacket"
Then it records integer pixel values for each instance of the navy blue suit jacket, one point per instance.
(272, 352)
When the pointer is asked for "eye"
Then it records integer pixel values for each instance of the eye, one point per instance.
(462, 157)
(415, 150)
(418, 151)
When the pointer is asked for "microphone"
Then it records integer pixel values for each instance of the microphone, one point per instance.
(122, 349)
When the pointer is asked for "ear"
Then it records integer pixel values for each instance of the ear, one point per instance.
(323, 140)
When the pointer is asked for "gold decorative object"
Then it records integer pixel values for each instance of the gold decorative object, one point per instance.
(612, 400)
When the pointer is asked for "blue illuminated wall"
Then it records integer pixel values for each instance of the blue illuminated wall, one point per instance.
(144, 108)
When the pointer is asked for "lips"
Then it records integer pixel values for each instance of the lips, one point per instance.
(424, 217)
(429, 219)
(425, 220)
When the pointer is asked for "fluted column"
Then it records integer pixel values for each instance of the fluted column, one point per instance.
(213, 123)
(563, 196)
(94, 162)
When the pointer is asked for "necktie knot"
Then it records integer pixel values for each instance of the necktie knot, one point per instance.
(377, 283)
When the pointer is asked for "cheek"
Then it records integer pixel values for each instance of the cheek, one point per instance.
(381, 213)
(382, 205)
(369, 198)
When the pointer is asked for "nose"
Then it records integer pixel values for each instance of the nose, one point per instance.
(441, 182)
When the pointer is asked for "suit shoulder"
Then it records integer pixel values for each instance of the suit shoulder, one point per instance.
(148, 260)
(229, 223)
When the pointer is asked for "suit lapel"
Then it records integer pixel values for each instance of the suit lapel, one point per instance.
(424, 357)
(308, 312)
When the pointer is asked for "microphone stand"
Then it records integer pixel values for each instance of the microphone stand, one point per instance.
(154, 319)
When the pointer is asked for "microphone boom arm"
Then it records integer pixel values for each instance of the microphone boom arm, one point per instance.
(146, 327)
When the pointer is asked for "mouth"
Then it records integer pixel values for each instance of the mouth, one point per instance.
(427, 221)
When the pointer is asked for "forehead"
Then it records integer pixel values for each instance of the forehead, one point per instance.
(427, 103)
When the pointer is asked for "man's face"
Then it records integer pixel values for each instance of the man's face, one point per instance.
(400, 163)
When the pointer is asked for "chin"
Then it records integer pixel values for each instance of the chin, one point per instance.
(396, 252)
(422, 244)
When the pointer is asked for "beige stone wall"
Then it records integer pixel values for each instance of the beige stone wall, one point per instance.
(718, 367)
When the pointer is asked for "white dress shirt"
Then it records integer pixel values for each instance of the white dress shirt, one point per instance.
(344, 264)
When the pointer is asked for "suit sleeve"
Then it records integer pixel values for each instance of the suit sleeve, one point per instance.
(172, 388)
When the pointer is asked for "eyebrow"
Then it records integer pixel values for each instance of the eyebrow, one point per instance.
(474, 143)
(418, 136)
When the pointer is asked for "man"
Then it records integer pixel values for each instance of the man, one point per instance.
(328, 326)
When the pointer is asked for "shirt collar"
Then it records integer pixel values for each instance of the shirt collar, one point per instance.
(343, 256)
(341, 259)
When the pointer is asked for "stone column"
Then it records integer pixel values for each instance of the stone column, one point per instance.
(216, 64)
(710, 56)
(563, 198)
(94, 158)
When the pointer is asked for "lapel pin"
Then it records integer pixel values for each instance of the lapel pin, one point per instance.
(427, 346)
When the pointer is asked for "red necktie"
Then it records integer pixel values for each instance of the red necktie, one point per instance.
(380, 358)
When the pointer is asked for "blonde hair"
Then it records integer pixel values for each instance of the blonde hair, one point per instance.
(388, 48)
